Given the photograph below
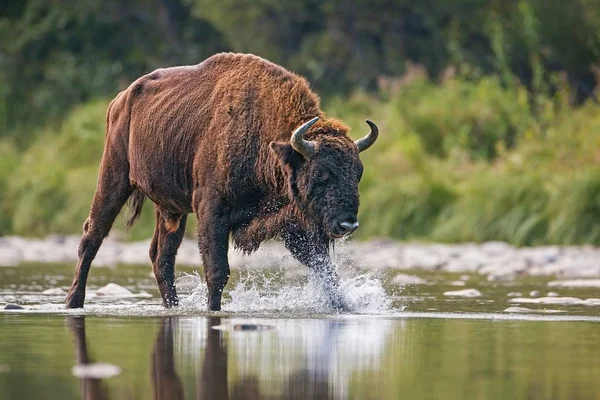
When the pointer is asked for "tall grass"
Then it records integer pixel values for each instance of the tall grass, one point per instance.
(463, 160)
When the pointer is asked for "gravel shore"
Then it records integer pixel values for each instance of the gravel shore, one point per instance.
(495, 260)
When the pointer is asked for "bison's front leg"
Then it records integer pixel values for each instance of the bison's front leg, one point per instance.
(213, 240)
(313, 252)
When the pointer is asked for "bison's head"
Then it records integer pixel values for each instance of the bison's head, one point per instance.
(324, 170)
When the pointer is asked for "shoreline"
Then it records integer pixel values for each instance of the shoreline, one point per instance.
(498, 261)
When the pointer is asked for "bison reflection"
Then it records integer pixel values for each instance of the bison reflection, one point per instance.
(311, 381)
(165, 381)
(91, 388)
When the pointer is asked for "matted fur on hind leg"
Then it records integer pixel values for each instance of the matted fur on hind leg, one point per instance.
(168, 234)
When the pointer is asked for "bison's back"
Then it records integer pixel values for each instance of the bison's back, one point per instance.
(210, 125)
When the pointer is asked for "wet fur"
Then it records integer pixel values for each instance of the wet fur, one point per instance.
(213, 139)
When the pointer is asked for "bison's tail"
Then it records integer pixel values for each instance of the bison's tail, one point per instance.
(135, 203)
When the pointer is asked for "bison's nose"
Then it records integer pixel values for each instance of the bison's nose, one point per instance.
(348, 226)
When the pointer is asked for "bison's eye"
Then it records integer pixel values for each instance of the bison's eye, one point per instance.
(319, 176)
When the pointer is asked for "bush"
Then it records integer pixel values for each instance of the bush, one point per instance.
(493, 206)
(524, 179)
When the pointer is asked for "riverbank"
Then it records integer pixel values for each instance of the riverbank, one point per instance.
(498, 261)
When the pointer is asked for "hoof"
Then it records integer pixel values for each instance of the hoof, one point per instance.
(339, 305)
(74, 300)
(214, 303)
(170, 303)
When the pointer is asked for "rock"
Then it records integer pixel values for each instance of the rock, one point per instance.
(504, 271)
(496, 248)
(502, 276)
(251, 327)
(552, 294)
(458, 283)
(118, 291)
(405, 279)
(497, 261)
(243, 327)
(95, 370)
(576, 283)
(54, 292)
(591, 302)
(521, 310)
(422, 259)
(534, 293)
(9, 256)
(114, 290)
(469, 261)
(463, 293)
(515, 294)
(11, 306)
(566, 301)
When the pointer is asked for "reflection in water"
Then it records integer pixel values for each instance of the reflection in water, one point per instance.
(212, 380)
(314, 359)
(91, 388)
(297, 359)
(165, 381)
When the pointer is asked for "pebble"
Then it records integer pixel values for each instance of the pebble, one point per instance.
(522, 310)
(566, 301)
(251, 327)
(534, 293)
(497, 261)
(114, 290)
(96, 370)
(458, 283)
(463, 293)
(243, 327)
(515, 294)
(11, 306)
(552, 294)
(576, 283)
(405, 279)
(591, 302)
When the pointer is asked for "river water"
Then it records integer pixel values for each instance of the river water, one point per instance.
(276, 339)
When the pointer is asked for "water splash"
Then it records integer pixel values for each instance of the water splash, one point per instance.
(262, 291)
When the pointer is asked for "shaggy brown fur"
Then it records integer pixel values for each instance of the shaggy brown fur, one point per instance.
(214, 139)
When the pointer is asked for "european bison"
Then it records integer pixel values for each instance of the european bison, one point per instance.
(240, 142)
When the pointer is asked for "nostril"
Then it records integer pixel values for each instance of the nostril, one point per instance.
(349, 226)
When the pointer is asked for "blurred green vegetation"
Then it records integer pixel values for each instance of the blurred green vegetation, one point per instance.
(490, 127)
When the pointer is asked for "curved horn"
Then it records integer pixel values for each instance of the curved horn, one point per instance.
(368, 140)
(304, 147)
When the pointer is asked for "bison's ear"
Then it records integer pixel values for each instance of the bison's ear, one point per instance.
(286, 153)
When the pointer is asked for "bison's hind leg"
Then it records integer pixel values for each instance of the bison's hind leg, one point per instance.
(168, 234)
(112, 192)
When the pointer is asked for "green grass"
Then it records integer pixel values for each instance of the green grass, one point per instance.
(463, 160)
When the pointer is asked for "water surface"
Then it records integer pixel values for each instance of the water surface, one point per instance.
(402, 342)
